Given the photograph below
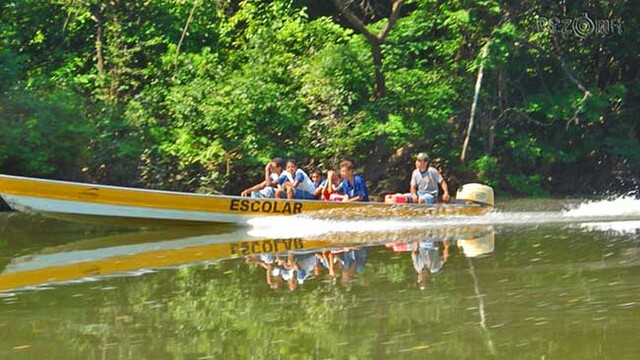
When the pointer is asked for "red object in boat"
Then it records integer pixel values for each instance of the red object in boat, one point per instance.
(396, 199)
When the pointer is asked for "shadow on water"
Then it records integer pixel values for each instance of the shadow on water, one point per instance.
(3, 205)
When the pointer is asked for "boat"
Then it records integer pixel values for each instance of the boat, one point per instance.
(81, 201)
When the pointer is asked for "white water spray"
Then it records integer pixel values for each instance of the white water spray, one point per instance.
(621, 210)
(622, 207)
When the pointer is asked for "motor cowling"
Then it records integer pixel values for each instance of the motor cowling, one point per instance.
(477, 193)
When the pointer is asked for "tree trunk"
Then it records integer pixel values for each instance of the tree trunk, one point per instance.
(96, 15)
(375, 40)
(379, 87)
(184, 33)
(474, 105)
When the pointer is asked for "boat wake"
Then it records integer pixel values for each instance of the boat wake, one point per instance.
(623, 212)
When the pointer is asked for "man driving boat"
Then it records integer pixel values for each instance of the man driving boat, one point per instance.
(424, 182)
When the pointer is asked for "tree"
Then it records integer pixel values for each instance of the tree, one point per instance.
(375, 40)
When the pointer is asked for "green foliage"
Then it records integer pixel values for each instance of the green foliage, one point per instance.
(487, 169)
(10, 70)
(43, 136)
(334, 81)
(198, 95)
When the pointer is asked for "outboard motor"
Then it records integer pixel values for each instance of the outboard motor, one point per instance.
(475, 193)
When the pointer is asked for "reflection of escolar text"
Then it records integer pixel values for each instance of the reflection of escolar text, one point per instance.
(245, 205)
(265, 246)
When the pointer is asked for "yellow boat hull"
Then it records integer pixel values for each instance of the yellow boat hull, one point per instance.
(88, 201)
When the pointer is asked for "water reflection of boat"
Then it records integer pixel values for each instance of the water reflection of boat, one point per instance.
(480, 241)
(477, 246)
(480, 236)
(429, 253)
(136, 251)
(88, 201)
(126, 253)
(428, 249)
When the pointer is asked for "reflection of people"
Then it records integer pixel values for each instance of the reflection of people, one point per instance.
(424, 182)
(294, 269)
(297, 267)
(351, 261)
(325, 258)
(427, 259)
(305, 266)
(268, 262)
(288, 271)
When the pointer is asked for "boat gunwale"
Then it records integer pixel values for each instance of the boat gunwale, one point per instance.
(220, 196)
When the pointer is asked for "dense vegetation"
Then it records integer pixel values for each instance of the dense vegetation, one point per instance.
(198, 94)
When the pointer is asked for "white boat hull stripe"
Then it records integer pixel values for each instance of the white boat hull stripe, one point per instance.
(34, 204)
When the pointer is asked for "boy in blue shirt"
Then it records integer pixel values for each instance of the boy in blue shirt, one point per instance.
(353, 186)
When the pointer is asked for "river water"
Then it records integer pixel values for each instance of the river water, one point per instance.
(533, 280)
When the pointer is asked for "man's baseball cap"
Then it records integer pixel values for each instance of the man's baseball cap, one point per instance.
(422, 156)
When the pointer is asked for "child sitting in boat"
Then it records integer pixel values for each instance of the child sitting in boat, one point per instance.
(329, 187)
(316, 178)
(296, 183)
(353, 186)
(266, 189)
